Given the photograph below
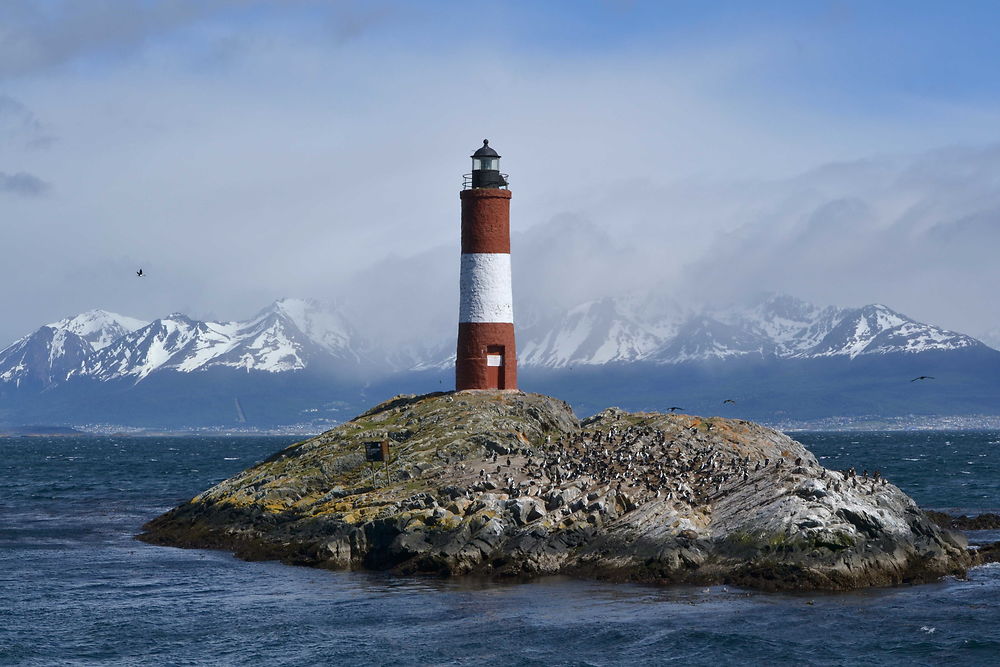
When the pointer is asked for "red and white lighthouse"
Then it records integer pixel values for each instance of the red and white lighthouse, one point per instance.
(486, 356)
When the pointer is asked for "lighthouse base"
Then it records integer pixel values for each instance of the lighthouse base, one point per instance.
(486, 357)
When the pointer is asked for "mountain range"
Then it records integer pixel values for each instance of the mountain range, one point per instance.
(298, 361)
(781, 327)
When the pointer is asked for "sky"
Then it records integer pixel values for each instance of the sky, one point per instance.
(242, 151)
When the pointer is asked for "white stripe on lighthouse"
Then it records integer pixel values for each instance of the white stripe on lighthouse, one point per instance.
(486, 293)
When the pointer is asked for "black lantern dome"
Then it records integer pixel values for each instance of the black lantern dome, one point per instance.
(485, 150)
(486, 168)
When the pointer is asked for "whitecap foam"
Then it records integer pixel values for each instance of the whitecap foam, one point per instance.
(986, 566)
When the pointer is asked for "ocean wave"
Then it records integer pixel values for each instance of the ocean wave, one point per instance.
(986, 566)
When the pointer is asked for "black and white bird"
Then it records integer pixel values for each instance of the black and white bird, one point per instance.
(729, 400)
(140, 273)
(923, 377)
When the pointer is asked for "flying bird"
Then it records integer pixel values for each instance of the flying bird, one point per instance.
(729, 400)
(923, 377)
(140, 273)
(673, 408)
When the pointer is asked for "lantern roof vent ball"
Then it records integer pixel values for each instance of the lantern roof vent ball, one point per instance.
(485, 151)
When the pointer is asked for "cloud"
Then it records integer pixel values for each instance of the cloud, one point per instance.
(21, 132)
(407, 300)
(247, 151)
(918, 233)
(23, 184)
(37, 36)
(20, 127)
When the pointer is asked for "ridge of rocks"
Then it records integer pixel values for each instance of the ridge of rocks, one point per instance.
(508, 483)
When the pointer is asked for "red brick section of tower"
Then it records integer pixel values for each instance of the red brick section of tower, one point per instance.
(486, 357)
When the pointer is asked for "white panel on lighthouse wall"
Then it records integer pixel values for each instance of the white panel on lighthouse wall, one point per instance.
(486, 293)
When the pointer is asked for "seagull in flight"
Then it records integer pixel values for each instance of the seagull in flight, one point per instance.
(140, 273)
(729, 400)
(923, 377)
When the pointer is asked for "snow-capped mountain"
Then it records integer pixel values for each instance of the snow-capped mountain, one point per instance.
(784, 325)
(99, 327)
(54, 351)
(598, 332)
(298, 359)
(876, 329)
(778, 326)
(39, 359)
(289, 335)
(703, 338)
(609, 330)
(293, 335)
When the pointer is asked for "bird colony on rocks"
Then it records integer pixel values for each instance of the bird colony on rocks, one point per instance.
(506, 483)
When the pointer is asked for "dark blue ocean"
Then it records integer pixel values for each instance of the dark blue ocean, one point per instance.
(76, 588)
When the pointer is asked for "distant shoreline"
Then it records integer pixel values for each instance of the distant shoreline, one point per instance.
(977, 423)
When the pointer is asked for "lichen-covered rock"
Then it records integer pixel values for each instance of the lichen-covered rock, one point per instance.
(512, 483)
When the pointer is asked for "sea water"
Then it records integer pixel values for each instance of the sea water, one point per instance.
(76, 588)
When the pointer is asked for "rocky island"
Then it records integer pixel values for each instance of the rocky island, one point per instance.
(508, 483)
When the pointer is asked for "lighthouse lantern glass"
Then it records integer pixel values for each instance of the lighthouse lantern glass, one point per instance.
(485, 163)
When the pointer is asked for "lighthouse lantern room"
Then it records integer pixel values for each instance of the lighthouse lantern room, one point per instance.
(486, 356)
(486, 168)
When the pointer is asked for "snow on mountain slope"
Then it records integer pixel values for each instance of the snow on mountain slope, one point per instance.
(54, 351)
(289, 335)
(145, 350)
(597, 332)
(423, 357)
(912, 337)
(777, 326)
(99, 327)
(792, 326)
(42, 358)
(876, 329)
(704, 338)
(293, 335)
(319, 324)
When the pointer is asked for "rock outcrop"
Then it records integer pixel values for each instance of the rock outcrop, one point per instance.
(985, 521)
(514, 484)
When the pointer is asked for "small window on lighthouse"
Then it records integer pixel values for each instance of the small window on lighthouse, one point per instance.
(485, 163)
(494, 360)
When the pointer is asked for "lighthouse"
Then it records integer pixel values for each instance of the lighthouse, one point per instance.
(486, 358)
